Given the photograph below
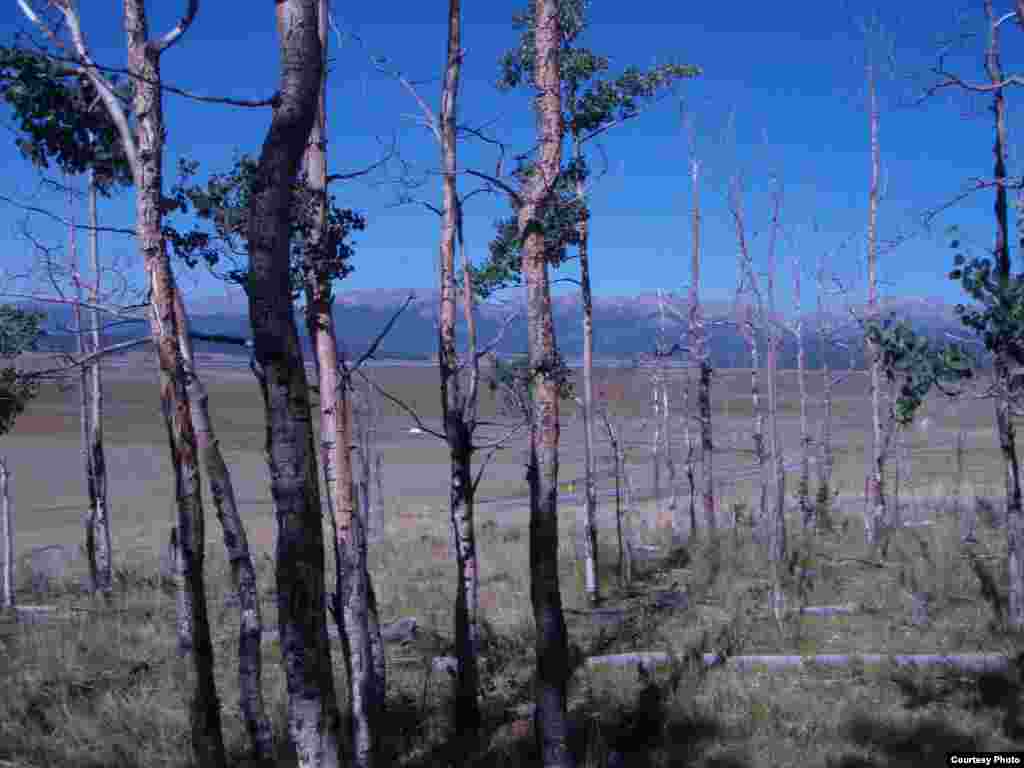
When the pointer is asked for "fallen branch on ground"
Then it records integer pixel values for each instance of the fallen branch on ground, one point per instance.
(973, 662)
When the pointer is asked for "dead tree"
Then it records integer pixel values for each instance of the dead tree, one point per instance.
(700, 355)
(6, 538)
(765, 320)
(144, 149)
(876, 518)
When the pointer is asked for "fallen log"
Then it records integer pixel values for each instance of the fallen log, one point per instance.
(831, 610)
(971, 662)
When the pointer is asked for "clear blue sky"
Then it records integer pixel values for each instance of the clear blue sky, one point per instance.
(788, 78)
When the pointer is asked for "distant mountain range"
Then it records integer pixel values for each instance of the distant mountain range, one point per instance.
(625, 327)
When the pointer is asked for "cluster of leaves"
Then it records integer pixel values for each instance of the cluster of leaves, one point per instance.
(560, 222)
(60, 117)
(513, 379)
(20, 331)
(591, 103)
(223, 204)
(997, 318)
(911, 361)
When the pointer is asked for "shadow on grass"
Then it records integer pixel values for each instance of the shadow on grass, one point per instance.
(904, 746)
(641, 735)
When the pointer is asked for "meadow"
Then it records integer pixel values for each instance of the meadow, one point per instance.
(100, 687)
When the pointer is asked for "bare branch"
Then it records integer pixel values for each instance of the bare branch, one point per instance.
(179, 29)
(369, 353)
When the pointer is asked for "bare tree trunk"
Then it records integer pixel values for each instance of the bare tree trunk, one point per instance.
(236, 546)
(101, 564)
(352, 607)
(457, 409)
(313, 717)
(702, 359)
(1004, 415)
(617, 463)
(807, 510)
(670, 464)
(876, 485)
(662, 432)
(691, 477)
(627, 542)
(827, 462)
(590, 554)
(552, 677)
(6, 539)
(84, 411)
(777, 538)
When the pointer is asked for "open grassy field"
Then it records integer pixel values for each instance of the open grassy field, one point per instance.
(100, 688)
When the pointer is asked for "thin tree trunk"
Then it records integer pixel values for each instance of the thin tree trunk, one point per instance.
(236, 546)
(592, 586)
(807, 510)
(352, 610)
(824, 498)
(455, 409)
(777, 538)
(702, 359)
(103, 554)
(6, 538)
(691, 477)
(1004, 416)
(876, 484)
(552, 676)
(313, 717)
(84, 409)
(627, 543)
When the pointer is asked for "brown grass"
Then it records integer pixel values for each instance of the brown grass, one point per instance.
(103, 689)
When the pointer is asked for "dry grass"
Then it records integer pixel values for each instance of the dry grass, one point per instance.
(102, 689)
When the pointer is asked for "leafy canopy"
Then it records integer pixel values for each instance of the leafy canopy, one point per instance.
(592, 102)
(20, 331)
(61, 118)
(222, 207)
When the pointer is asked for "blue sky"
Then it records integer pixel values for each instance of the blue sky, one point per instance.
(782, 92)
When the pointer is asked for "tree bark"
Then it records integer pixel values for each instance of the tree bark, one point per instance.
(144, 67)
(236, 546)
(807, 511)
(876, 483)
(825, 467)
(702, 361)
(313, 718)
(592, 586)
(84, 409)
(1003, 363)
(777, 537)
(352, 609)
(101, 561)
(6, 539)
(551, 719)
(456, 408)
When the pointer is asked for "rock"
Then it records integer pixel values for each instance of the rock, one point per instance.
(48, 566)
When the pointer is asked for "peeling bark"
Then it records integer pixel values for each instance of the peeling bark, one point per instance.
(552, 725)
